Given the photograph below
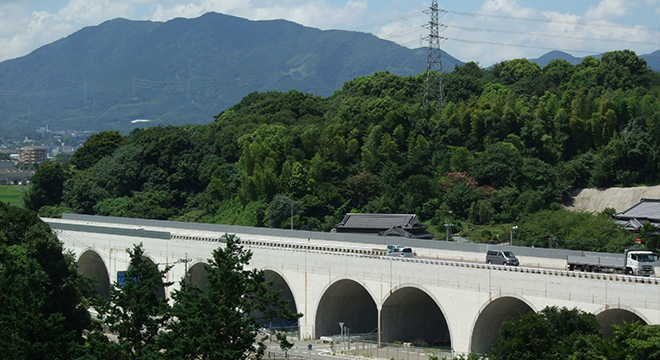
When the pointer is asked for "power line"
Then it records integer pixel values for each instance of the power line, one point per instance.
(587, 24)
(468, 41)
(191, 86)
(477, 29)
(388, 21)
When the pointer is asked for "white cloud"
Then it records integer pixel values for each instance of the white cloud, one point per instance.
(318, 13)
(609, 8)
(494, 37)
(315, 13)
(194, 9)
(499, 34)
(561, 23)
(23, 31)
(507, 7)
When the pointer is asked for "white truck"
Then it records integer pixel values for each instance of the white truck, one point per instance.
(638, 262)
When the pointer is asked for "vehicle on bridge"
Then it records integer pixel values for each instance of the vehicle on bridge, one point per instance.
(633, 262)
(501, 257)
(399, 251)
(393, 249)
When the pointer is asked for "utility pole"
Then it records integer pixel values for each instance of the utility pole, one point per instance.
(433, 86)
(511, 238)
(448, 224)
(185, 261)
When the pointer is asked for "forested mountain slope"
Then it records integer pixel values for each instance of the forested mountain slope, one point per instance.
(183, 71)
(512, 141)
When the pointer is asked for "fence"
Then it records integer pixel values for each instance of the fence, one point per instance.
(359, 345)
(397, 351)
(278, 355)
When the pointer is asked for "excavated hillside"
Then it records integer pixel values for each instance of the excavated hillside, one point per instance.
(620, 199)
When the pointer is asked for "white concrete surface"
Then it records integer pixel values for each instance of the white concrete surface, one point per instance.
(473, 297)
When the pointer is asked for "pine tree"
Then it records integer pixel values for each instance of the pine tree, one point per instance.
(226, 321)
(134, 313)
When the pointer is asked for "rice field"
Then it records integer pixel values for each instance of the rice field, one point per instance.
(11, 193)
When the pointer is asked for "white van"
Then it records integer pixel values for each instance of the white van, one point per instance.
(399, 251)
(393, 249)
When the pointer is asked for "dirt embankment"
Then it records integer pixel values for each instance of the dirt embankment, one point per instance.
(620, 199)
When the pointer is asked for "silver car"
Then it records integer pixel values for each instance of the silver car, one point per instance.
(405, 252)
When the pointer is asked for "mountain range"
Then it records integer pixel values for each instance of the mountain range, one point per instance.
(184, 71)
(652, 59)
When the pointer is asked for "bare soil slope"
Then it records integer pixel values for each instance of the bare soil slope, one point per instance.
(621, 199)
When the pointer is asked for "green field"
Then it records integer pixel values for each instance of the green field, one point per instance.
(11, 193)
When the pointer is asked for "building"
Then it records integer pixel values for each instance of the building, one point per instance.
(645, 211)
(404, 225)
(33, 155)
(10, 175)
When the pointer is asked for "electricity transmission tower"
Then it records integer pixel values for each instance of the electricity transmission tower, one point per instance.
(433, 87)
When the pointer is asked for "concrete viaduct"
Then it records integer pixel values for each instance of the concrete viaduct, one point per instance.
(447, 295)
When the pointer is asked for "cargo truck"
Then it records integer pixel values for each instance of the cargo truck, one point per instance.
(638, 262)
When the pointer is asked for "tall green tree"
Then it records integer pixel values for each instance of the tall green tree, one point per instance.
(47, 186)
(498, 166)
(95, 148)
(576, 230)
(539, 133)
(225, 321)
(553, 333)
(41, 293)
(634, 341)
(134, 313)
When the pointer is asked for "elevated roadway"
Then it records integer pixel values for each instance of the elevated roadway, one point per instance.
(447, 296)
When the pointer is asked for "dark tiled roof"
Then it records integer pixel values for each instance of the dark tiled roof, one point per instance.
(7, 165)
(632, 224)
(379, 221)
(406, 225)
(648, 209)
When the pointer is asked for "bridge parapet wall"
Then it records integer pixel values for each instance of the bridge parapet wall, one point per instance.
(462, 289)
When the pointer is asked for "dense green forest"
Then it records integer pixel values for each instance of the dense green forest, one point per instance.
(46, 303)
(511, 143)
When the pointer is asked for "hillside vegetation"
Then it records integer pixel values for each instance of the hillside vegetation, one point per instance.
(183, 71)
(511, 143)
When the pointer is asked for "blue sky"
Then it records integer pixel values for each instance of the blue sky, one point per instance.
(485, 31)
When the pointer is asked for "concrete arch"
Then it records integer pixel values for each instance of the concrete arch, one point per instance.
(607, 317)
(91, 264)
(281, 284)
(197, 275)
(349, 302)
(490, 318)
(160, 290)
(410, 313)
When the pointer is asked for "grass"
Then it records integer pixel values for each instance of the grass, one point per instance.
(478, 233)
(486, 233)
(11, 193)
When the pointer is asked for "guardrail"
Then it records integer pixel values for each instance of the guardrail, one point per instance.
(380, 253)
(352, 251)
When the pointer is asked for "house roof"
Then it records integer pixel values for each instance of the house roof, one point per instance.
(648, 209)
(632, 224)
(7, 165)
(406, 225)
(645, 211)
(379, 221)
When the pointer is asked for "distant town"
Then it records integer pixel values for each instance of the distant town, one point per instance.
(19, 158)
